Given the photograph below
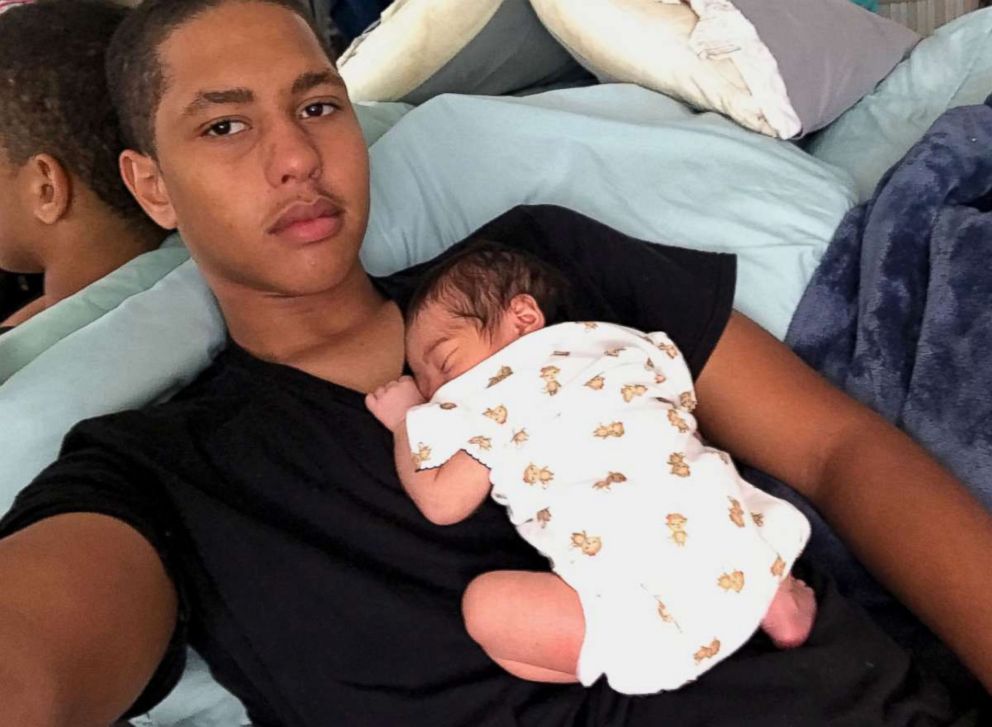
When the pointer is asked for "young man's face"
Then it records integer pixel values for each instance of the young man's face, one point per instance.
(15, 223)
(259, 150)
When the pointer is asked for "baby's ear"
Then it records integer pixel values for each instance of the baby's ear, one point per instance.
(526, 313)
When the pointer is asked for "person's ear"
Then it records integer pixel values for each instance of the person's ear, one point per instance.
(143, 178)
(526, 314)
(50, 188)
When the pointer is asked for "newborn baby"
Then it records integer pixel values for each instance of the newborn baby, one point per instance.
(665, 561)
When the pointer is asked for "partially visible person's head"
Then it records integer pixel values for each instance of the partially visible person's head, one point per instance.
(475, 303)
(242, 137)
(59, 136)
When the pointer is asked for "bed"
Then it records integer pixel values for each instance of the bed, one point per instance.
(453, 144)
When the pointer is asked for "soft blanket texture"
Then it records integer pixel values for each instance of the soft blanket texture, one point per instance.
(898, 312)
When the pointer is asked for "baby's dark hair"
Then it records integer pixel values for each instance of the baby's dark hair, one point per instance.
(479, 282)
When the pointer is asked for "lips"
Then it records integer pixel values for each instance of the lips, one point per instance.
(306, 222)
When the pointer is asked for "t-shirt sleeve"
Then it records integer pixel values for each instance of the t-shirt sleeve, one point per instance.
(439, 430)
(649, 286)
(88, 478)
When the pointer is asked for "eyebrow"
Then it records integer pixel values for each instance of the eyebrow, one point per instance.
(304, 82)
(204, 99)
(311, 79)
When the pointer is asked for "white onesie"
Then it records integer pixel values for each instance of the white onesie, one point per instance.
(591, 444)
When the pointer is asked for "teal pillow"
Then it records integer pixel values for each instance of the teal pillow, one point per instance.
(32, 338)
(953, 67)
(376, 118)
(634, 159)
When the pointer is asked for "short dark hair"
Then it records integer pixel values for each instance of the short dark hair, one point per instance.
(134, 67)
(479, 281)
(53, 95)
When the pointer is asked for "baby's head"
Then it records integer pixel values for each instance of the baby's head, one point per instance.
(473, 304)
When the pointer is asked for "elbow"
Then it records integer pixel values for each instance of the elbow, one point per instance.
(442, 513)
(444, 516)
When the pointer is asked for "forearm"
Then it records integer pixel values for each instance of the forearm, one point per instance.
(911, 523)
(887, 498)
(447, 494)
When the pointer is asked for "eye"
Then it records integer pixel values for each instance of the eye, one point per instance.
(445, 365)
(317, 109)
(227, 127)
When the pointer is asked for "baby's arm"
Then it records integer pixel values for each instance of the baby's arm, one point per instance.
(445, 495)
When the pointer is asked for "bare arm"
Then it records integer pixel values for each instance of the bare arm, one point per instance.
(912, 523)
(86, 613)
(447, 494)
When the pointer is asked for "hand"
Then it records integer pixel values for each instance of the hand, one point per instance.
(390, 403)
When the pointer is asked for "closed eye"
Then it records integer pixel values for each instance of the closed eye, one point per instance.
(445, 365)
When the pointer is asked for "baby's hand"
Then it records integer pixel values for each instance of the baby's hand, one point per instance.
(391, 402)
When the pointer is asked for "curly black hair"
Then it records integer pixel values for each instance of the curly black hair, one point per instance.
(134, 68)
(53, 94)
(479, 281)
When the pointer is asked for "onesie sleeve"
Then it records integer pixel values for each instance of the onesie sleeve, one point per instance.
(439, 430)
(673, 380)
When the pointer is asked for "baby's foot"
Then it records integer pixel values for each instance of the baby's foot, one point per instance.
(790, 616)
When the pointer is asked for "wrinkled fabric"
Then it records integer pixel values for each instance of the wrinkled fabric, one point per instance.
(899, 315)
(899, 312)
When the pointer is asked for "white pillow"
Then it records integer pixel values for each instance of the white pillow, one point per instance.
(422, 48)
(658, 51)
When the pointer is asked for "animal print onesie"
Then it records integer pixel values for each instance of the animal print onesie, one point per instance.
(588, 432)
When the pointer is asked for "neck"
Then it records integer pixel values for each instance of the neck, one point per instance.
(91, 247)
(287, 329)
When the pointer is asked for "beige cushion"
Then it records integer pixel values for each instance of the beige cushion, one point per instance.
(422, 48)
(661, 50)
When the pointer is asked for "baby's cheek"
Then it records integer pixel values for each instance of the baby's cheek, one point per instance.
(423, 386)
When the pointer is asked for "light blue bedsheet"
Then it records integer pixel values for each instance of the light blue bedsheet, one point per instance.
(634, 159)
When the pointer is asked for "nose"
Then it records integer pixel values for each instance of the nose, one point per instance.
(292, 155)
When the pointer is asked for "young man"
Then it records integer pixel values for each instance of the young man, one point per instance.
(259, 517)
(63, 209)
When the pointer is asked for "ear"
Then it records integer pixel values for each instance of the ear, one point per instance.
(50, 188)
(143, 178)
(526, 314)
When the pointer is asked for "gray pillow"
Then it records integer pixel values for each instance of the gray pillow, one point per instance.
(830, 53)
(511, 53)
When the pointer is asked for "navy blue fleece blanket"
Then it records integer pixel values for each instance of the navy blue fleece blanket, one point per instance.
(899, 311)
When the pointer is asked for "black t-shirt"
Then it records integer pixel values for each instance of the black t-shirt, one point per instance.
(321, 597)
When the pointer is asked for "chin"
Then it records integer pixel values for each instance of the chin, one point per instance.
(312, 280)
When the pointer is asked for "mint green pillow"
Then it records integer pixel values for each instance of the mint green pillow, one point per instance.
(378, 117)
(953, 67)
(32, 338)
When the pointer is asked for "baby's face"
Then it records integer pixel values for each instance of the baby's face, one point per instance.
(441, 346)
